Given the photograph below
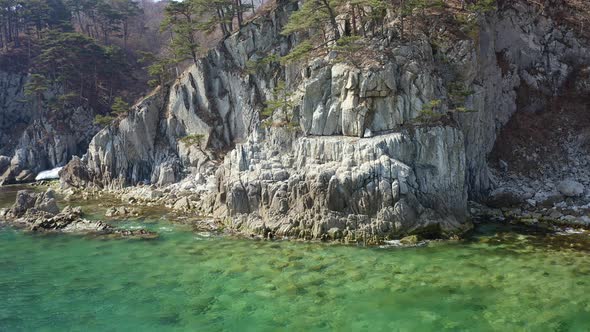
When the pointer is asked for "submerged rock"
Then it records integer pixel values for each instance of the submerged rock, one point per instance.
(121, 211)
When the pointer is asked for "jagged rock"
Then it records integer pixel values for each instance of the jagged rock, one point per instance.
(75, 174)
(121, 211)
(504, 197)
(570, 188)
(337, 182)
(182, 204)
(323, 174)
(38, 212)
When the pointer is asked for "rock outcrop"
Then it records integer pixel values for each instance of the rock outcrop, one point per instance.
(354, 158)
(39, 212)
(381, 187)
(33, 139)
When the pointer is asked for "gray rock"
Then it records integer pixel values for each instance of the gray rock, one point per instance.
(47, 202)
(26, 200)
(182, 204)
(75, 174)
(570, 188)
(504, 197)
(330, 176)
(555, 215)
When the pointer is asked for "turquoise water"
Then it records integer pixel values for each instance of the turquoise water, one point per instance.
(499, 280)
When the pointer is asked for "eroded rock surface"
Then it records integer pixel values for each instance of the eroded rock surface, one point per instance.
(39, 212)
(354, 159)
(34, 139)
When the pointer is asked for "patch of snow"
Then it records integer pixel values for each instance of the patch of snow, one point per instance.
(51, 174)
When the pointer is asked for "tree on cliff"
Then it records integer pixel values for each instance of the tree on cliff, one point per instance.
(36, 87)
(281, 102)
(220, 14)
(313, 16)
(180, 21)
(87, 72)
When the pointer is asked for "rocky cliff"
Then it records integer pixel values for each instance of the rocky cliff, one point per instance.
(355, 159)
(33, 139)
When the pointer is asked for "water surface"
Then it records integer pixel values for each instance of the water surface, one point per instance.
(500, 280)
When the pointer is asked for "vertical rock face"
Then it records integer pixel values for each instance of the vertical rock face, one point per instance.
(521, 60)
(340, 99)
(388, 185)
(215, 100)
(354, 157)
(32, 139)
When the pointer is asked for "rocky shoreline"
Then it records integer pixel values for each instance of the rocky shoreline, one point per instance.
(39, 212)
(187, 203)
(396, 145)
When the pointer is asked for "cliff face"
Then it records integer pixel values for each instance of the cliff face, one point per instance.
(523, 60)
(215, 99)
(34, 140)
(357, 162)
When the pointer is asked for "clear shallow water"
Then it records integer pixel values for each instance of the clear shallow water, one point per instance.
(184, 281)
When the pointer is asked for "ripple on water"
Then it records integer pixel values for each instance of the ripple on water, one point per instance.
(500, 280)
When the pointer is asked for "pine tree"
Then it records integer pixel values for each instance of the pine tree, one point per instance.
(280, 103)
(127, 9)
(218, 14)
(179, 19)
(314, 15)
(36, 87)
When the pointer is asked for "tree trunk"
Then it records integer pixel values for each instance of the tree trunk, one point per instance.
(222, 23)
(333, 22)
(402, 14)
(238, 4)
(125, 33)
(353, 14)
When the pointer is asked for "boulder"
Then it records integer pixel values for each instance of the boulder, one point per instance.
(75, 174)
(4, 163)
(47, 202)
(570, 188)
(182, 204)
(26, 200)
(25, 176)
(503, 197)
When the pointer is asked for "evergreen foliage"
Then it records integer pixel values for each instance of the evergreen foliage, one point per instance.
(281, 104)
(179, 18)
